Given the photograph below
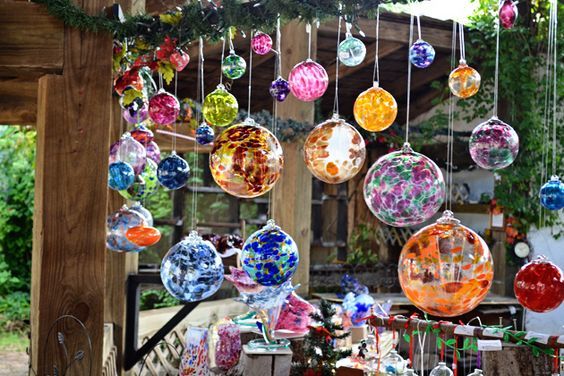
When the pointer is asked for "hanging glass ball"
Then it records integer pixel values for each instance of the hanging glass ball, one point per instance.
(421, 54)
(132, 98)
(220, 107)
(404, 188)
(145, 184)
(136, 115)
(351, 51)
(270, 256)
(393, 364)
(128, 150)
(464, 81)
(142, 134)
(494, 144)
(445, 269)
(173, 172)
(143, 236)
(153, 152)
(261, 43)
(308, 80)
(120, 175)
(192, 270)
(143, 211)
(539, 285)
(552, 194)
(233, 66)
(179, 60)
(186, 113)
(375, 109)
(246, 160)
(117, 225)
(204, 134)
(508, 13)
(334, 151)
(441, 370)
(164, 108)
(279, 89)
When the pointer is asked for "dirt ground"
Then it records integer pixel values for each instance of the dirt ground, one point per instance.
(13, 363)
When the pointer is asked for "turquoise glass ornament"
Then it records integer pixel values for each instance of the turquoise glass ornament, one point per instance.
(351, 51)
(233, 66)
(120, 175)
(173, 172)
(552, 194)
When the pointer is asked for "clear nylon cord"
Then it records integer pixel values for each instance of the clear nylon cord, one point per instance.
(221, 61)
(201, 90)
(250, 74)
(408, 82)
(336, 100)
(277, 73)
(376, 72)
(308, 31)
(450, 128)
(419, 27)
(496, 75)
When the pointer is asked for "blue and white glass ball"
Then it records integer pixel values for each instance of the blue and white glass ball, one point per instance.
(192, 269)
(204, 134)
(173, 172)
(552, 194)
(117, 225)
(270, 256)
(421, 54)
(120, 175)
(351, 51)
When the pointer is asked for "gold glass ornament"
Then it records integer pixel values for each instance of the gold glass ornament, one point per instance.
(464, 81)
(220, 107)
(375, 109)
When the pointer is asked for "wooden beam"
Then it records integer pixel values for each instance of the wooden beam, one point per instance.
(18, 101)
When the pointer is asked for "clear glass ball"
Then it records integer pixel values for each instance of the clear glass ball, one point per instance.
(494, 144)
(351, 51)
(441, 370)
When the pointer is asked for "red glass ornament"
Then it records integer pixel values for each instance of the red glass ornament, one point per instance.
(143, 236)
(179, 60)
(539, 285)
(130, 78)
(508, 14)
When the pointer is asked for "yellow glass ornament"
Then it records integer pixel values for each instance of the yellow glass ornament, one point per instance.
(375, 109)
(464, 81)
(220, 107)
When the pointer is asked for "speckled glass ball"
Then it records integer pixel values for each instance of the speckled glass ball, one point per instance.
(464, 81)
(539, 285)
(143, 211)
(308, 80)
(153, 152)
(145, 184)
(279, 89)
(233, 66)
(164, 108)
(220, 107)
(552, 194)
(334, 151)
(192, 270)
(261, 43)
(421, 54)
(270, 256)
(128, 150)
(351, 51)
(142, 134)
(375, 109)
(135, 115)
(508, 13)
(173, 172)
(204, 134)
(246, 160)
(494, 144)
(120, 175)
(445, 269)
(117, 225)
(404, 188)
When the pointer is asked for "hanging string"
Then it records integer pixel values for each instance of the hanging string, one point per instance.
(200, 95)
(250, 74)
(450, 127)
(376, 72)
(278, 62)
(554, 23)
(176, 96)
(336, 100)
(308, 31)
(496, 75)
(222, 58)
(462, 46)
(408, 82)
(277, 73)
(419, 27)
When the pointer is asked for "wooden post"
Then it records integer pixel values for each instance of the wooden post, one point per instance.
(68, 263)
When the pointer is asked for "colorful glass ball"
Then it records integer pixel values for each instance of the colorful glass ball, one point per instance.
(117, 225)
(246, 160)
(494, 144)
(164, 108)
(143, 236)
(508, 13)
(445, 269)
(464, 81)
(421, 54)
(404, 188)
(179, 60)
(270, 256)
(204, 134)
(145, 184)
(134, 115)
(173, 172)
(261, 43)
(351, 51)
(539, 285)
(129, 150)
(308, 80)
(153, 152)
(233, 66)
(120, 175)
(334, 151)
(279, 89)
(220, 107)
(143, 135)
(192, 270)
(552, 194)
(375, 109)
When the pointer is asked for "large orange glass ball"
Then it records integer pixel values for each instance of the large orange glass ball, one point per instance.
(334, 151)
(375, 109)
(246, 160)
(445, 269)
(464, 81)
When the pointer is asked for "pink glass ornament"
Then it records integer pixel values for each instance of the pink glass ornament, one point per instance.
(308, 80)
(153, 152)
(508, 14)
(261, 43)
(127, 149)
(179, 60)
(164, 108)
(194, 361)
(295, 314)
(227, 337)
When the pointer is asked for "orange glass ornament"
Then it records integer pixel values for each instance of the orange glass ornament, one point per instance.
(445, 269)
(464, 81)
(143, 236)
(375, 109)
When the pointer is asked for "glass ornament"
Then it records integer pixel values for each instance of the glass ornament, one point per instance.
(409, 372)
(173, 172)
(246, 160)
(194, 360)
(179, 60)
(552, 194)
(539, 285)
(261, 43)
(145, 183)
(136, 115)
(153, 152)
(117, 225)
(270, 256)
(308, 80)
(334, 151)
(404, 188)
(143, 211)
(477, 372)
(128, 150)
(445, 269)
(441, 370)
(204, 134)
(120, 175)
(143, 236)
(220, 107)
(233, 66)
(163, 108)
(351, 51)
(421, 54)
(142, 134)
(279, 89)
(393, 364)
(464, 81)
(508, 13)
(375, 109)
(186, 113)
(192, 270)
(358, 307)
(227, 338)
(242, 282)
(494, 144)
(295, 314)
(132, 98)
(351, 284)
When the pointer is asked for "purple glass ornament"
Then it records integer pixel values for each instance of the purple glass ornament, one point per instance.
(494, 144)
(127, 149)
(279, 89)
(164, 108)
(142, 134)
(134, 115)
(153, 152)
(261, 43)
(508, 13)
(204, 134)
(421, 54)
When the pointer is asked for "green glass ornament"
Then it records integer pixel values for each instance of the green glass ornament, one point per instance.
(145, 183)
(220, 107)
(233, 66)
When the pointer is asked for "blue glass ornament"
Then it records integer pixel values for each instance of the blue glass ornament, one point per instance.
(117, 225)
(192, 269)
(279, 89)
(358, 307)
(351, 284)
(552, 194)
(204, 134)
(120, 175)
(421, 54)
(173, 172)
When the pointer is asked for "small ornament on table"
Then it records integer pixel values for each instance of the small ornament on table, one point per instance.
(358, 307)
(227, 339)
(279, 89)
(233, 66)
(145, 184)
(117, 225)
(539, 285)
(194, 361)
(494, 144)
(204, 134)
(351, 284)
(173, 172)
(163, 108)
(464, 81)
(552, 194)
(120, 175)
(477, 372)
(308, 81)
(261, 43)
(393, 364)
(508, 13)
(220, 107)
(421, 54)
(295, 315)
(351, 51)
(375, 109)
(441, 370)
